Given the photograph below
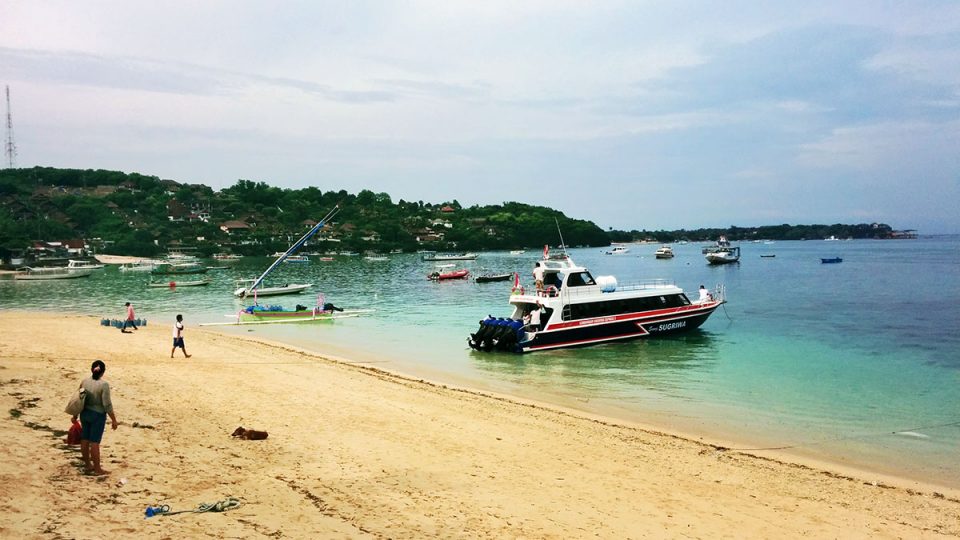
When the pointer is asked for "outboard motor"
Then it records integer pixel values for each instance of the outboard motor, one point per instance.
(476, 339)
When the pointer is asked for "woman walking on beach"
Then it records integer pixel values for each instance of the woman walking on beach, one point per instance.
(93, 418)
(129, 320)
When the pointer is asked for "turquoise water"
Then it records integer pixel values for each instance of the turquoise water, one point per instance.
(828, 360)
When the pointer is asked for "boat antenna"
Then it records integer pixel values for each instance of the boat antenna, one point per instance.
(563, 245)
(296, 245)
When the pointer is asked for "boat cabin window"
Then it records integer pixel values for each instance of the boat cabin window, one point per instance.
(628, 305)
(580, 279)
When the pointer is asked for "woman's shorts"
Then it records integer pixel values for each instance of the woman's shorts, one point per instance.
(177, 342)
(92, 423)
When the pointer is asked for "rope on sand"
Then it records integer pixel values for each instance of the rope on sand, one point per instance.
(220, 506)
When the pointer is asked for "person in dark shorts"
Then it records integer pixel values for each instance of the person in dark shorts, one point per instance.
(93, 418)
(129, 321)
(178, 337)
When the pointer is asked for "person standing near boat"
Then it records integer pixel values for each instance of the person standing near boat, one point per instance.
(129, 320)
(93, 418)
(178, 337)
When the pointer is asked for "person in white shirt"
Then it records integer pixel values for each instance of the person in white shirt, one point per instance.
(538, 276)
(532, 318)
(178, 337)
(704, 295)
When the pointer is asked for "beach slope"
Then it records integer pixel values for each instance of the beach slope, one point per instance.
(354, 452)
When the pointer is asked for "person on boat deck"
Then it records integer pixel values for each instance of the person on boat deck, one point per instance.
(704, 294)
(129, 320)
(178, 337)
(538, 276)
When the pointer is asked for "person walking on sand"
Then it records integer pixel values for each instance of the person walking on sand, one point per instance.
(129, 320)
(178, 337)
(93, 418)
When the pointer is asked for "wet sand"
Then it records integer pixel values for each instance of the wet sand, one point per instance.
(356, 452)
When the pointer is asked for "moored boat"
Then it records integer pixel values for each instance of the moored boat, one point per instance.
(179, 268)
(449, 256)
(174, 284)
(442, 276)
(84, 265)
(244, 290)
(487, 278)
(831, 260)
(722, 252)
(31, 273)
(665, 252)
(578, 309)
(297, 259)
(139, 266)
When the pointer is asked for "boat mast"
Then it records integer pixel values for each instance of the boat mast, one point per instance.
(297, 245)
(10, 148)
(563, 245)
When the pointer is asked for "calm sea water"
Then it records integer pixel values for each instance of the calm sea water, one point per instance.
(857, 363)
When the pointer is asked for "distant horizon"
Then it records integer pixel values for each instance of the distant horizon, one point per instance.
(621, 113)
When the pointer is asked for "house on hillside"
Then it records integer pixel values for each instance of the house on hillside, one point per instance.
(234, 226)
(448, 209)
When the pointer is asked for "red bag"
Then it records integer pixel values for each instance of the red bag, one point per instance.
(73, 436)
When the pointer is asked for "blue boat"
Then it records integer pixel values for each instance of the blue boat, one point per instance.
(831, 261)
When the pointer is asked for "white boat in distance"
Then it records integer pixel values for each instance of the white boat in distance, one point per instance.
(84, 265)
(30, 273)
(722, 253)
(665, 252)
(244, 291)
(619, 250)
(139, 266)
(449, 256)
(517, 252)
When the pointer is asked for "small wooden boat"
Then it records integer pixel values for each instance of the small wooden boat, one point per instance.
(487, 278)
(177, 284)
(832, 260)
(456, 274)
(297, 259)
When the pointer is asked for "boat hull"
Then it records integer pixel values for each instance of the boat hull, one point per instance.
(40, 276)
(489, 279)
(624, 327)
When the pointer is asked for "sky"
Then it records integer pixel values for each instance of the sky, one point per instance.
(634, 115)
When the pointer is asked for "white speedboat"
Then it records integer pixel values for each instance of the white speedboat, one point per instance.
(577, 309)
(619, 250)
(722, 253)
(665, 252)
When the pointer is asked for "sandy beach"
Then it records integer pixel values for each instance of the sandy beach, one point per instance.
(355, 452)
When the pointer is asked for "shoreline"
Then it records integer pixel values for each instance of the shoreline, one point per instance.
(358, 451)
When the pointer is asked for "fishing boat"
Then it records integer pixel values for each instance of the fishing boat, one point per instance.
(665, 252)
(74, 264)
(31, 273)
(255, 287)
(442, 276)
(487, 278)
(449, 256)
(578, 309)
(831, 260)
(179, 268)
(177, 284)
(722, 252)
(139, 266)
(619, 250)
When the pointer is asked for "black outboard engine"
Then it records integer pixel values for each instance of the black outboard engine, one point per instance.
(497, 333)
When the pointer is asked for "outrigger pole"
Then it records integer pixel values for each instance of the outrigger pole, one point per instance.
(297, 245)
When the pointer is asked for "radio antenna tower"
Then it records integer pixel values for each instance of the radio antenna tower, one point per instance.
(10, 148)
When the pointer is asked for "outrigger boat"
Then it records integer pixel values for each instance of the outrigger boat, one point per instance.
(273, 314)
(578, 310)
